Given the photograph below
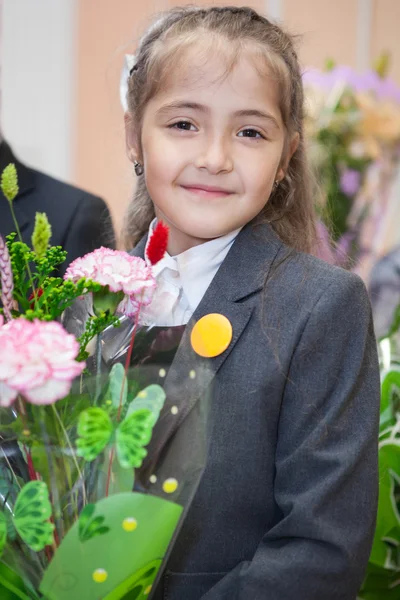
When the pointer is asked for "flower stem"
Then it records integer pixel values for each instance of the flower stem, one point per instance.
(31, 468)
(17, 229)
(110, 462)
(10, 467)
(98, 369)
(80, 474)
(124, 382)
(52, 476)
(128, 357)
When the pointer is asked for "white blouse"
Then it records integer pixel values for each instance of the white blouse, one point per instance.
(182, 280)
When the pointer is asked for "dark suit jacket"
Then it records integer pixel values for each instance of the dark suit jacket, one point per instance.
(80, 221)
(286, 507)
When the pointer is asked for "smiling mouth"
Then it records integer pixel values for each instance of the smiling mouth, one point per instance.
(206, 191)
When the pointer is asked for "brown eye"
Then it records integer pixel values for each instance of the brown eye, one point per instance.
(253, 133)
(182, 125)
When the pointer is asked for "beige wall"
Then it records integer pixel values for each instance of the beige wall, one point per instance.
(385, 32)
(324, 30)
(107, 30)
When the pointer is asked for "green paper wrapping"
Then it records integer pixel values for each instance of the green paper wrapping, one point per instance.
(126, 558)
(95, 488)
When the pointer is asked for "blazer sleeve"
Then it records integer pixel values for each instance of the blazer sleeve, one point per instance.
(90, 228)
(326, 484)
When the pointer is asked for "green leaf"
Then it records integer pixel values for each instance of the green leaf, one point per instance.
(31, 514)
(393, 557)
(3, 532)
(132, 434)
(152, 398)
(388, 520)
(95, 325)
(12, 586)
(389, 398)
(106, 301)
(118, 384)
(95, 430)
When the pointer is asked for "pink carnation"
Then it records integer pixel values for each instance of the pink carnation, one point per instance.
(118, 270)
(37, 360)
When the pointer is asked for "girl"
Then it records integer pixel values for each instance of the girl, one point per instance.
(286, 506)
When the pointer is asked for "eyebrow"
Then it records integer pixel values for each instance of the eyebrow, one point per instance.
(204, 109)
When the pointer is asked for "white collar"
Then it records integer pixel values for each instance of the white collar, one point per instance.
(196, 266)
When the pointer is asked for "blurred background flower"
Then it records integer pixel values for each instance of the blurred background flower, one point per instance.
(353, 130)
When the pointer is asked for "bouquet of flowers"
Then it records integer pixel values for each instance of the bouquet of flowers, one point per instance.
(353, 126)
(101, 450)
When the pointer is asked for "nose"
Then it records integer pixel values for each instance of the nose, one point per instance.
(215, 156)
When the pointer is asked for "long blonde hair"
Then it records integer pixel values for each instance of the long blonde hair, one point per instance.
(290, 207)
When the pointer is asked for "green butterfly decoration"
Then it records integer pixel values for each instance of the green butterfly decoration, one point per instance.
(96, 429)
(90, 526)
(31, 516)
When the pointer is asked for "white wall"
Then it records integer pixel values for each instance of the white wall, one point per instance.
(37, 57)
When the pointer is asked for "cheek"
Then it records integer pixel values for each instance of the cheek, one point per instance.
(162, 161)
(259, 174)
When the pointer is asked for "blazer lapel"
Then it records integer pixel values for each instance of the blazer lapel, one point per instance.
(242, 274)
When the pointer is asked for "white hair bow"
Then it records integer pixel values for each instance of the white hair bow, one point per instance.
(129, 63)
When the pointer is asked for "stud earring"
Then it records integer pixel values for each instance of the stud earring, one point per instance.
(276, 185)
(139, 170)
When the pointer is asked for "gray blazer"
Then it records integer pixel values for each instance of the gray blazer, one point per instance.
(286, 506)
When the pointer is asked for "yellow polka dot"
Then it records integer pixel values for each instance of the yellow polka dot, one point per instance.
(170, 485)
(174, 410)
(162, 372)
(100, 575)
(129, 524)
(153, 478)
(211, 335)
(142, 394)
(26, 432)
(192, 374)
(148, 590)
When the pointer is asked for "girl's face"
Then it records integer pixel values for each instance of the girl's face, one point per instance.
(212, 148)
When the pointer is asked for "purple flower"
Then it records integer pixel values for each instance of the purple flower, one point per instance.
(350, 181)
(369, 81)
(6, 279)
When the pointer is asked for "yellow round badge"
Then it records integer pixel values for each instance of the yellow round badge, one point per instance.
(211, 335)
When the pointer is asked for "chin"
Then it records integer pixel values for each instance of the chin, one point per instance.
(206, 232)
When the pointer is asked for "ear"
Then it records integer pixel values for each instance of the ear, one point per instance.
(131, 138)
(293, 145)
